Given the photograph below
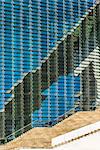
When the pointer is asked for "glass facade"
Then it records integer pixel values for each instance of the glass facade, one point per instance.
(49, 66)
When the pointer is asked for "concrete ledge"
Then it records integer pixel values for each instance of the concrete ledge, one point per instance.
(68, 137)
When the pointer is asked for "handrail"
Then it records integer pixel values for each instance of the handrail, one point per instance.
(17, 131)
(57, 119)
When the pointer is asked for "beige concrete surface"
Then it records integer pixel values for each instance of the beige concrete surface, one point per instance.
(41, 137)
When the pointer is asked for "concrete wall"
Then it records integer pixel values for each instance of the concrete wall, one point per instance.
(85, 138)
(90, 142)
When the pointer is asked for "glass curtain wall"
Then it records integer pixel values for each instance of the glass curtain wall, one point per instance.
(48, 68)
